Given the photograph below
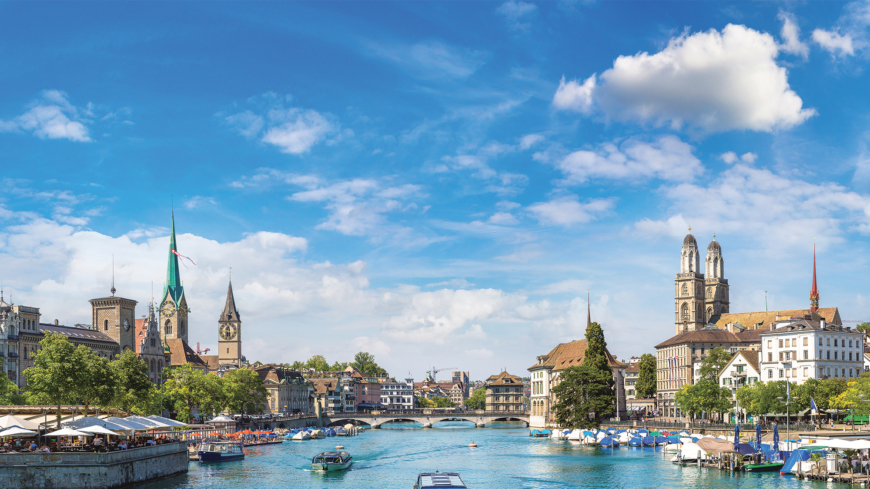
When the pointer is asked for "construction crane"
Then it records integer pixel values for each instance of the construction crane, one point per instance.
(200, 352)
(434, 371)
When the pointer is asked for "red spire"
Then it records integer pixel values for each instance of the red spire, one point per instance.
(814, 294)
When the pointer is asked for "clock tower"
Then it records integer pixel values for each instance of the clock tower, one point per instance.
(173, 307)
(116, 317)
(230, 333)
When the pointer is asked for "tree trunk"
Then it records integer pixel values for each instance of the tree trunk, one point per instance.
(58, 416)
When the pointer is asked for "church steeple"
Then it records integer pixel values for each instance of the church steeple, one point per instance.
(230, 333)
(173, 274)
(814, 294)
(230, 312)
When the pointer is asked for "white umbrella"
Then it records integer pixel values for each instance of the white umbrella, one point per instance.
(9, 421)
(68, 432)
(94, 429)
(17, 431)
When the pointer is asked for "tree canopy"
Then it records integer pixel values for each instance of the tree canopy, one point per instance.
(716, 360)
(646, 378)
(704, 397)
(244, 391)
(477, 399)
(583, 397)
(57, 373)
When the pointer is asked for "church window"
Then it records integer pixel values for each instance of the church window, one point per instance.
(685, 289)
(153, 342)
(685, 314)
(709, 293)
(168, 328)
(709, 314)
(106, 325)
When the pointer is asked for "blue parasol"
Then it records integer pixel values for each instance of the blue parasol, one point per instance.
(736, 436)
(775, 438)
(758, 437)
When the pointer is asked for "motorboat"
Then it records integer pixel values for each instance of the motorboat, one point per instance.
(220, 451)
(539, 433)
(340, 432)
(301, 436)
(331, 461)
(439, 480)
(608, 442)
(317, 434)
(330, 432)
(635, 442)
(673, 447)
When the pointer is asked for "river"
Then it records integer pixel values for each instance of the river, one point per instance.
(506, 457)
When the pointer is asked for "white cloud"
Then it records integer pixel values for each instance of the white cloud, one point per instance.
(731, 157)
(790, 35)
(567, 211)
(500, 183)
(667, 158)
(480, 353)
(517, 13)
(293, 130)
(839, 45)
(530, 140)
(52, 116)
(431, 58)
(749, 158)
(574, 96)
(199, 201)
(709, 81)
(749, 201)
(503, 218)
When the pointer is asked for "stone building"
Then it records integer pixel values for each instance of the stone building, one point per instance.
(504, 393)
(149, 346)
(288, 391)
(10, 322)
(398, 396)
(328, 394)
(230, 333)
(700, 298)
(115, 317)
(741, 370)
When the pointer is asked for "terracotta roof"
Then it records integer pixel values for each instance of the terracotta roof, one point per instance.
(505, 378)
(633, 368)
(710, 336)
(212, 362)
(277, 373)
(763, 319)
(751, 357)
(183, 354)
(571, 354)
(322, 386)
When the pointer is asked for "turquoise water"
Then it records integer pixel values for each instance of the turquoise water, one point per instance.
(506, 458)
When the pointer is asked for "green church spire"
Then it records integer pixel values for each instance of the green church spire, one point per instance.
(173, 274)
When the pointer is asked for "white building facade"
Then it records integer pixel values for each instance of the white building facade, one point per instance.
(397, 395)
(741, 370)
(810, 348)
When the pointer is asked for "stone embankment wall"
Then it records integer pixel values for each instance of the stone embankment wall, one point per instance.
(91, 470)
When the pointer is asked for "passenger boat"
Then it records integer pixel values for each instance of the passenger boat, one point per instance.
(331, 461)
(439, 480)
(220, 451)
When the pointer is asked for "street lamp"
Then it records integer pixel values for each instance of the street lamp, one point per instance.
(788, 402)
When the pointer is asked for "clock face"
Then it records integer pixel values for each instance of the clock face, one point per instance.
(168, 309)
(126, 325)
(228, 331)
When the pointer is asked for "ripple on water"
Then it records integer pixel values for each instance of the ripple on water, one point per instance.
(506, 458)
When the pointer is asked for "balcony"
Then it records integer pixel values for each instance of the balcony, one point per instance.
(13, 354)
(738, 374)
(12, 337)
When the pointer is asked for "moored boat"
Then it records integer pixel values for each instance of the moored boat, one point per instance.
(439, 480)
(763, 467)
(317, 434)
(539, 433)
(331, 461)
(301, 436)
(220, 451)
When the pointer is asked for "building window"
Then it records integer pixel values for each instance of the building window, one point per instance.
(769, 356)
(806, 341)
(835, 341)
(685, 312)
(685, 289)
(829, 354)
(835, 352)
(806, 354)
(820, 341)
(769, 344)
(806, 371)
(829, 342)
(781, 373)
(106, 325)
(794, 342)
(780, 342)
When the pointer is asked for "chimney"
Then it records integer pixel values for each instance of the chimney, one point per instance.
(822, 323)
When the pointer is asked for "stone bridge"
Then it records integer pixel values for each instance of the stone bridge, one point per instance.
(427, 419)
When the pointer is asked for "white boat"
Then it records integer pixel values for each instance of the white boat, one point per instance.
(317, 434)
(331, 461)
(302, 435)
(672, 447)
(575, 435)
(588, 440)
(689, 452)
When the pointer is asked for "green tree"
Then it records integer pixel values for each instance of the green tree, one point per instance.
(864, 327)
(9, 395)
(318, 363)
(245, 392)
(55, 376)
(185, 389)
(97, 378)
(646, 378)
(364, 362)
(595, 357)
(477, 399)
(132, 382)
(583, 397)
(339, 366)
(149, 402)
(424, 403)
(704, 397)
(687, 400)
(443, 402)
(716, 360)
(297, 365)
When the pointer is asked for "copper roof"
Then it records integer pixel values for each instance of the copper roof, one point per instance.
(182, 354)
(571, 354)
(763, 319)
(76, 334)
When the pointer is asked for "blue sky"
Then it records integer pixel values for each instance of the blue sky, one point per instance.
(437, 183)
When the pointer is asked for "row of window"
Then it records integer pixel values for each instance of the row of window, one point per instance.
(826, 355)
(823, 372)
(784, 342)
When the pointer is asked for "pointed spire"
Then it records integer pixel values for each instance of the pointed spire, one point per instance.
(814, 294)
(588, 312)
(230, 312)
(113, 276)
(173, 275)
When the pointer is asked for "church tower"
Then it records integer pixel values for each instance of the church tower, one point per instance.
(230, 332)
(689, 289)
(173, 306)
(116, 317)
(716, 297)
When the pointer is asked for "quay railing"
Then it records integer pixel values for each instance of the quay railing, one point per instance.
(682, 425)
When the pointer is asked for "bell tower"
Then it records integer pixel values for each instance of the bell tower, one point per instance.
(230, 332)
(716, 295)
(173, 306)
(689, 289)
(115, 317)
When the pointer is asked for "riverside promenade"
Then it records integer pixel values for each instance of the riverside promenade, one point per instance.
(87, 470)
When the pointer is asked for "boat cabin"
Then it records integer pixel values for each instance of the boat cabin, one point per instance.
(331, 458)
(220, 447)
(439, 480)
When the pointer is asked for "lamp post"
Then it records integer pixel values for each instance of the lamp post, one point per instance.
(788, 402)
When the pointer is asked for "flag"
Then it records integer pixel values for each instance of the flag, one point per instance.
(813, 405)
(787, 391)
(182, 256)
